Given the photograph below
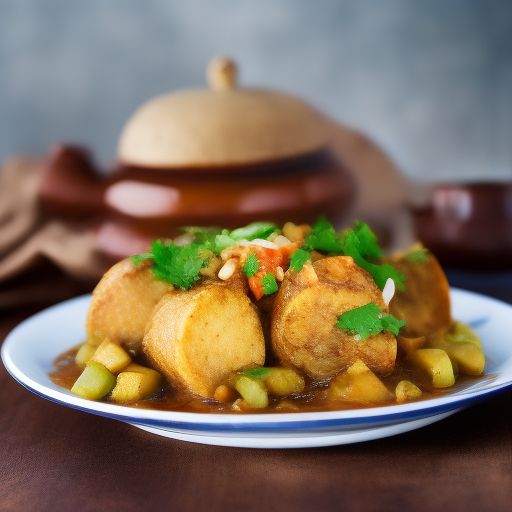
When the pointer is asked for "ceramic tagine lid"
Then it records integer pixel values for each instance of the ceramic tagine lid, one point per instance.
(223, 155)
(223, 125)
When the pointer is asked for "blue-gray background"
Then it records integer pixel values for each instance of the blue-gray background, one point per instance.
(429, 80)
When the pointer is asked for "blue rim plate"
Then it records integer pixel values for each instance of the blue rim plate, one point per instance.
(30, 349)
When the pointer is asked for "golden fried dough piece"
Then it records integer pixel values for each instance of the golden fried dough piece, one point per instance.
(424, 305)
(306, 310)
(198, 338)
(122, 304)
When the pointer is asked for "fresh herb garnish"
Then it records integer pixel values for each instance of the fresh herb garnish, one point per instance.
(177, 265)
(380, 273)
(139, 258)
(368, 246)
(323, 237)
(203, 235)
(223, 241)
(251, 266)
(255, 230)
(367, 321)
(269, 284)
(417, 254)
(298, 258)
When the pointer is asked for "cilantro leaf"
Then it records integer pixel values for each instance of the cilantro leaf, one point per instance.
(251, 266)
(380, 273)
(203, 235)
(368, 246)
(139, 258)
(392, 324)
(255, 230)
(298, 258)
(323, 238)
(177, 265)
(367, 321)
(269, 284)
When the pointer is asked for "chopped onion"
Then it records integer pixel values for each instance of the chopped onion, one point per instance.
(389, 291)
(264, 243)
(281, 241)
(228, 269)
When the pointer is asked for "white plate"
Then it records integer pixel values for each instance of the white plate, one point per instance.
(30, 349)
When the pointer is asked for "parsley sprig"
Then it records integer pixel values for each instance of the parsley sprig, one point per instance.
(367, 321)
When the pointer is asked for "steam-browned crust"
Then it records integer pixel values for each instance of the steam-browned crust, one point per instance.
(122, 304)
(306, 310)
(198, 338)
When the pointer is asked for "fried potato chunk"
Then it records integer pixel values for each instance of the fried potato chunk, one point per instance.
(122, 304)
(424, 304)
(198, 338)
(305, 312)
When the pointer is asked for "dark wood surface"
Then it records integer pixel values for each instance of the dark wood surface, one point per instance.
(53, 458)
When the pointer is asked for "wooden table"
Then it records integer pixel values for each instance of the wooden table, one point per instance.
(53, 458)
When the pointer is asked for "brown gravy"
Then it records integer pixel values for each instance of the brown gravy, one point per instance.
(313, 398)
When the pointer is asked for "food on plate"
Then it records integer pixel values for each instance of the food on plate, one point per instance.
(314, 344)
(199, 338)
(302, 318)
(424, 304)
(437, 365)
(122, 304)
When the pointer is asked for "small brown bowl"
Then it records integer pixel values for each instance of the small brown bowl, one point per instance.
(469, 226)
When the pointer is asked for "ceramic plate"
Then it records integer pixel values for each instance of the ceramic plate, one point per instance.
(30, 349)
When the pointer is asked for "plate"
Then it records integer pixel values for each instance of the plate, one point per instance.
(30, 349)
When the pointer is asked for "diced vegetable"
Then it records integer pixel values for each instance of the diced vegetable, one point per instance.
(409, 345)
(112, 356)
(279, 381)
(136, 384)
(269, 284)
(436, 364)
(84, 354)
(298, 259)
(225, 393)
(253, 391)
(255, 230)
(359, 384)
(251, 266)
(407, 391)
(95, 382)
(463, 347)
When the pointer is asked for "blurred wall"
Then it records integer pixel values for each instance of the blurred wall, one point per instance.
(429, 80)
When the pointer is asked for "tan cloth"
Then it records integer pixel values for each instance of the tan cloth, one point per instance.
(27, 237)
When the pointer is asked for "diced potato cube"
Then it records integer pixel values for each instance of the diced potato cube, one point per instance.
(95, 382)
(136, 385)
(134, 367)
(409, 345)
(359, 384)
(84, 354)
(253, 391)
(112, 356)
(463, 347)
(407, 391)
(436, 364)
(283, 381)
